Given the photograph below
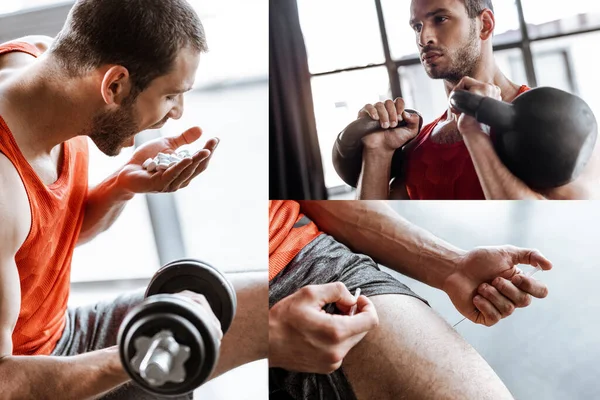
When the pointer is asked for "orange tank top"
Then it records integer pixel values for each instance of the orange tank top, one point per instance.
(44, 259)
(289, 232)
(435, 171)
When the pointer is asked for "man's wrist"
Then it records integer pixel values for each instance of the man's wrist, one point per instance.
(378, 153)
(442, 266)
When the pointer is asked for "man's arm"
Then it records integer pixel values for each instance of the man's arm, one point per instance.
(104, 204)
(374, 179)
(106, 201)
(483, 284)
(29, 377)
(379, 147)
(375, 229)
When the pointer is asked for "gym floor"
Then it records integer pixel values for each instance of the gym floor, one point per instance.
(547, 350)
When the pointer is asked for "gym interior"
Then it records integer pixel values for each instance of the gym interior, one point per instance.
(208, 220)
(536, 42)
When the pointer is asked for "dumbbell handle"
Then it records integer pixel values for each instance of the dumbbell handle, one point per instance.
(162, 359)
(156, 365)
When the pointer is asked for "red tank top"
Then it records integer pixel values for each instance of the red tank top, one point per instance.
(289, 232)
(44, 259)
(435, 171)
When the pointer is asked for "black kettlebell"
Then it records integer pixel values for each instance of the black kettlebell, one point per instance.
(348, 148)
(545, 137)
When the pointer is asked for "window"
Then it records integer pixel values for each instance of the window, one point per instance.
(342, 34)
(22, 5)
(565, 63)
(543, 21)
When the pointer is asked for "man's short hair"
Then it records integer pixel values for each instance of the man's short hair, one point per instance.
(476, 7)
(143, 36)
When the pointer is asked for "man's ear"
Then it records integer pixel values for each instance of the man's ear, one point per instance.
(488, 24)
(116, 85)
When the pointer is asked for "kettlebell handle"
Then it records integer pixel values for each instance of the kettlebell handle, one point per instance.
(489, 111)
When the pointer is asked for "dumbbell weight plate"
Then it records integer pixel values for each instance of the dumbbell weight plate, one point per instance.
(180, 316)
(199, 277)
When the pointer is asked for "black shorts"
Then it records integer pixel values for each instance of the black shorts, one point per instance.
(325, 260)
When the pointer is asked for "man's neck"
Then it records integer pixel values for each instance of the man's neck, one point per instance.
(491, 74)
(42, 109)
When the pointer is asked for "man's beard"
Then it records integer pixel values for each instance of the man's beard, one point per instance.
(461, 62)
(110, 130)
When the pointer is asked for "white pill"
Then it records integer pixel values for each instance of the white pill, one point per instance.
(175, 158)
(145, 164)
(184, 153)
(162, 166)
(151, 166)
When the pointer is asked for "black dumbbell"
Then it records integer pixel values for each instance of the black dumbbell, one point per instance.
(348, 148)
(167, 343)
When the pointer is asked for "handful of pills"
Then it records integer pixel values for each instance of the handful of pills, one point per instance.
(163, 161)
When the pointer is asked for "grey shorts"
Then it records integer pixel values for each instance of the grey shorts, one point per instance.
(325, 260)
(95, 327)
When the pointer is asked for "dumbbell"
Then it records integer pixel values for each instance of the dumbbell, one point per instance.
(545, 137)
(167, 343)
(348, 148)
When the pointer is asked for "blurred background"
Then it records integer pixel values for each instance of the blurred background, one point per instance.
(549, 350)
(364, 51)
(221, 217)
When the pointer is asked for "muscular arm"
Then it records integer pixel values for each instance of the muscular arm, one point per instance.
(374, 179)
(104, 204)
(499, 183)
(29, 377)
(375, 229)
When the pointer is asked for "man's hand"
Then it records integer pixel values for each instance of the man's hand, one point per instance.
(467, 125)
(133, 178)
(390, 114)
(487, 286)
(201, 300)
(304, 338)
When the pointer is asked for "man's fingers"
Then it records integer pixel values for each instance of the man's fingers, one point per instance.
(498, 300)
(365, 320)
(384, 119)
(368, 110)
(173, 172)
(335, 292)
(392, 115)
(187, 137)
(530, 285)
(488, 312)
(508, 289)
(529, 256)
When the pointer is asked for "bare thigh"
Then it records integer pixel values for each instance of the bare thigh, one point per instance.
(415, 354)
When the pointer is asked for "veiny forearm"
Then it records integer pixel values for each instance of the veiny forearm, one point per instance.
(375, 229)
(497, 182)
(104, 204)
(374, 180)
(84, 376)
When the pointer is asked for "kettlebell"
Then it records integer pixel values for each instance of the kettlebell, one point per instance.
(545, 137)
(348, 148)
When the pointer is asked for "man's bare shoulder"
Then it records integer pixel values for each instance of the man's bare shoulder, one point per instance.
(18, 59)
(14, 203)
